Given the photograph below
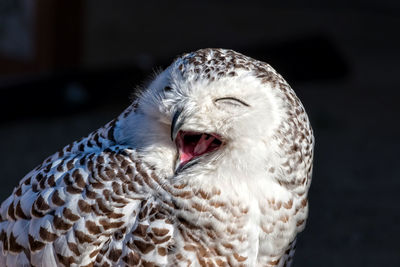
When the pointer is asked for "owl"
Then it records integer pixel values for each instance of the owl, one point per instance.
(209, 166)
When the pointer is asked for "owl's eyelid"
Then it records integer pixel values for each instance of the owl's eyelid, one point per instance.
(232, 99)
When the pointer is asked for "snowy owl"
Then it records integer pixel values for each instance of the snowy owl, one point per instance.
(209, 166)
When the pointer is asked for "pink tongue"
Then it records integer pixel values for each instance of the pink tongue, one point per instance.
(185, 157)
(190, 152)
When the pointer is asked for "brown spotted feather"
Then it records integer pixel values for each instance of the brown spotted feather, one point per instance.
(98, 202)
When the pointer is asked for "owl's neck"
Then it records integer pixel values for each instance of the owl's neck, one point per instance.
(150, 138)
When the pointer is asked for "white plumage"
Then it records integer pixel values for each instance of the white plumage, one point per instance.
(210, 166)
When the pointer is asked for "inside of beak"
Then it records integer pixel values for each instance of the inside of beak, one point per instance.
(192, 145)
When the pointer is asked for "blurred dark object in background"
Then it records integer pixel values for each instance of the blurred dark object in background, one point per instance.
(69, 66)
(40, 36)
(42, 51)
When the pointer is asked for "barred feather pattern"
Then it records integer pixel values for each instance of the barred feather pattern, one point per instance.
(98, 208)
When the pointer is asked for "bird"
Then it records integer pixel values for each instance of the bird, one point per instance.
(209, 165)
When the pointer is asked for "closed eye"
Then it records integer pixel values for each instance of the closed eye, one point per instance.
(232, 100)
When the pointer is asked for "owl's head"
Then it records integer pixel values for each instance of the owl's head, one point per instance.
(217, 111)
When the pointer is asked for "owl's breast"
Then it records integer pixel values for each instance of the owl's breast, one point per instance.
(211, 226)
(215, 233)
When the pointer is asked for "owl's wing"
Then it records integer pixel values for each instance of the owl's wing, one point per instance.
(71, 206)
(147, 243)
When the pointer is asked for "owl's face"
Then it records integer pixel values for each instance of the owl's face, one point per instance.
(216, 116)
(213, 123)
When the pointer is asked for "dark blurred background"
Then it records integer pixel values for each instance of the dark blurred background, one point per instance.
(68, 67)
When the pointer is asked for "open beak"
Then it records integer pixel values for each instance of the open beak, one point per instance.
(191, 145)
